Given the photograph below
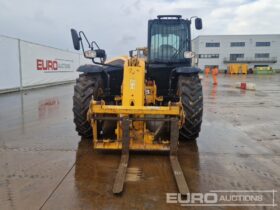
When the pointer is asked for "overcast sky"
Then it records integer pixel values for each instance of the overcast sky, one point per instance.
(119, 26)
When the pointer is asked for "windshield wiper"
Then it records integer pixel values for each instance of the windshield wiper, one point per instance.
(180, 48)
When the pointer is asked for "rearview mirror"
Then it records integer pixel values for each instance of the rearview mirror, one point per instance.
(76, 39)
(198, 23)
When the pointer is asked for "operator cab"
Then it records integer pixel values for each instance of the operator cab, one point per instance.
(169, 51)
(169, 38)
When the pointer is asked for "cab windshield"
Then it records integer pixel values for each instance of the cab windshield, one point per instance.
(168, 42)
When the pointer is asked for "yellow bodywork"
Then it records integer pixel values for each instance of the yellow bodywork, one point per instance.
(133, 83)
(138, 103)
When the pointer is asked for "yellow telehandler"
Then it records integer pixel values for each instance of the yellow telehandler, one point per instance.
(145, 101)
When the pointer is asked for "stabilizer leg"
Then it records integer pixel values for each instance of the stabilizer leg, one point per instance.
(176, 168)
(120, 177)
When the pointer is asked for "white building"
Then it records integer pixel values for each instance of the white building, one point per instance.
(28, 65)
(221, 50)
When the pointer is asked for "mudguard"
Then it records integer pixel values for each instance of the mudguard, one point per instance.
(187, 70)
(89, 68)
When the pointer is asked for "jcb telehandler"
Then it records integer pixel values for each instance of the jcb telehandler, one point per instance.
(144, 101)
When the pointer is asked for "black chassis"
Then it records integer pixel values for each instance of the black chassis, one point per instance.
(166, 78)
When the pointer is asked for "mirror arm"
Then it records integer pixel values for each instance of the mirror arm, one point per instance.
(102, 60)
(82, 33)
(94, 42)
(82, 44)
(83, 47)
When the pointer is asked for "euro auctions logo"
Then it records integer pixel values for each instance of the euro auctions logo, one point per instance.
(54, 65)
(252, 198)
(192, 199)
(49, 65)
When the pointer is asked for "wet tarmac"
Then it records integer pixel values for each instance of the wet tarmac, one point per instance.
(44, 164)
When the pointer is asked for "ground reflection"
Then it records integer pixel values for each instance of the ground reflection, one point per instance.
(149, 175)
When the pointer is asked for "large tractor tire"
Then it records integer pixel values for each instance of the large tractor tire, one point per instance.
(190, 90)
(87, 86)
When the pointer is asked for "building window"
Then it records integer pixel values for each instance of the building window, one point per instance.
(237, 44)
(208, 55)
(262, 44)
(262, 55)
(234, 57)
(212, 44)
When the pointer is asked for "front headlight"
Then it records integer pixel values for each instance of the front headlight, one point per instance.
(189, 54)
(90, 54)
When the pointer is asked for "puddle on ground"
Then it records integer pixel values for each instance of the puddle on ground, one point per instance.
(134, 174)
(227, 85)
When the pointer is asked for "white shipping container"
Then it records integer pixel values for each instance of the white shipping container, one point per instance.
(41, 65)
(9, 64)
